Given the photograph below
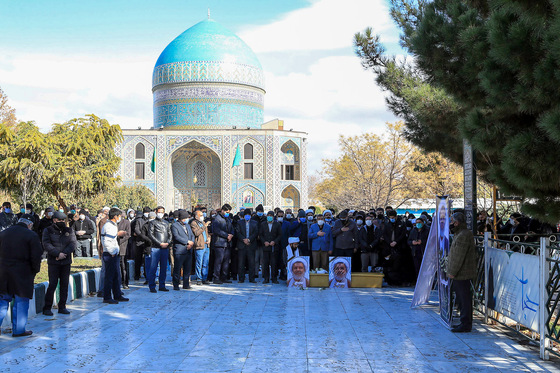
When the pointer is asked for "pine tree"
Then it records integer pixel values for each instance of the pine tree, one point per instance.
(496, 64)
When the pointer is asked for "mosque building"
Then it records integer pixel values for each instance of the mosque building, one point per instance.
(209, 145)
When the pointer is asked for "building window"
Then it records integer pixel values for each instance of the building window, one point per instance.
(140, 151)
(139, 171)
(248, 151)
(290, 172)
(248, 168)
(199, 174)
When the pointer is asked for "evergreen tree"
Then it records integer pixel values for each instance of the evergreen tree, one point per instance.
(492, 67)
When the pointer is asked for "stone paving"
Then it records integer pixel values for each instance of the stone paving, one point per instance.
(260, 328)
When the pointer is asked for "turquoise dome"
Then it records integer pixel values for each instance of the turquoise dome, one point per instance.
(208, 78)
(208, 41)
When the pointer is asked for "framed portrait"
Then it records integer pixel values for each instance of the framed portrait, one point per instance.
(340, 272)
(298, 272)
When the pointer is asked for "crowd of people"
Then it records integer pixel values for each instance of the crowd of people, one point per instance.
(215, 247)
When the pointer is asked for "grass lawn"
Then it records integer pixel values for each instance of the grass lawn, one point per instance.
(78, 265)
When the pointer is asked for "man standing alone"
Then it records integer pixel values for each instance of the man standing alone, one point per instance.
(461, 269)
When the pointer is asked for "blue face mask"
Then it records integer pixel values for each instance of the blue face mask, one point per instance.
(226, 214)
(303, 220)
(419, 225)
(22, 211)
(392, 220)
(260, 213)
(328, 220)
(269, 218)
(7, 210)
(247, 217)
(73, 211)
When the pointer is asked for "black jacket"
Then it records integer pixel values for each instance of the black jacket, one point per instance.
(348, 239)
(20, 260)
(86, 225)
(159, 231)
(242, 234)
(394, 232)
(221, 227)
(7, 220)
(182, 234)
(266, 235)
(137, 227)
(56, 241)
(144, 237)
(373, 239)
(416, 235)
(43, 224)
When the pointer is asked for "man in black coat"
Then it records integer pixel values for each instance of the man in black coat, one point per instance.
(20, 260)
(417, 240)
(60, 243)
(84, 228)
(183, 242)
(396, 256)
(270, 233)
(140, 240)
(222, 234)
(247, 234)
(7, 217)
(123, 226)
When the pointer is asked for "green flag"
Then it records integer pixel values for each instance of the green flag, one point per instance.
(153, 166)
(237, 159)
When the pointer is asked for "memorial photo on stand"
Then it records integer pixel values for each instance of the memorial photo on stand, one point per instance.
(340, 272)
(298, 272)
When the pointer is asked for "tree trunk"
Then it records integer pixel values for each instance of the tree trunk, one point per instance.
(59, 199)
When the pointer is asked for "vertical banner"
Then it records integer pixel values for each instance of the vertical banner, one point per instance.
(444, 284)
(469, 186)
(428, 270)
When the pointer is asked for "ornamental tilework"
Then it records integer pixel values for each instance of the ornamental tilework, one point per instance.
(284, 139)
(276, 171)
(162, 172)
(213, 142)
(180, 94)
(258, 156)
(227, 172)
(208, 114)
(208, 71)
(129, 158)
(270, 171)
(304, 176)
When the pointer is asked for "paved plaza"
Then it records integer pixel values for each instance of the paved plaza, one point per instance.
(258, 328)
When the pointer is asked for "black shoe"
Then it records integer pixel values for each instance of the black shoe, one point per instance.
(64, 311)
(240, 281)
(275, 282)
(227, 281)
(266, 282)
(145, 282)
(125, 287)
(122, 299)
(110, 301)
(163, 289)
(176, 288)
(136, 278)
(252, 281)
(206, 282)
(47, 312)
(461, 329)
(187, 287)
(199, 282)
(99, 294)
(153, 291)
(218, 282)
(24, 334)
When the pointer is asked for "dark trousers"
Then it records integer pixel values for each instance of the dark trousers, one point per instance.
(138, 260)
(111, 277)
(124, 270)
(344, 252)
(246, 256)
(57, 272)
(234, 263)
(463, 300)
(184, 262)
(221, 263)
(269, 265)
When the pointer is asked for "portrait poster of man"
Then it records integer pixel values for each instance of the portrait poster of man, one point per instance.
(298, 272)
(340, 272)
(444, 285)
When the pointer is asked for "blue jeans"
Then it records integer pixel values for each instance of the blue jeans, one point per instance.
(19, 312)
(201, 269)
(159, 256)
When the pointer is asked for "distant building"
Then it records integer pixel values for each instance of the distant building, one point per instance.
(208, 89)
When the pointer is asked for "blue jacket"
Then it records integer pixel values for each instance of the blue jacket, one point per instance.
(221, 227)
(288, 227)
(318, 243)
(182, 234)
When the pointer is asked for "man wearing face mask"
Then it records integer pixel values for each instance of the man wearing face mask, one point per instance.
(159, 232)
(83, 227)
(260, 218)
(247, 234)
(370, 253)
(302, 232)
(361, 234)
(141, 241)
(223, 235)
(202, 248)
(320, 236)
(345, 234)
(183, 243)
(45, 221)
(271, 234)
(110, 235)
(60, 243)
(328, 218)
(20, 260)
(461, 269)
(417, 241)
(7, 217)
(124, 226)
(394, 250)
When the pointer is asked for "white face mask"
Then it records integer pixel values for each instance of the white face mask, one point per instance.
(359, 221)
(160, 215)
(288, 216)
(28, 211)
(320, 222)
(146, 214)
(201, 218)
(82, 216)
(119, 220)
(50, 214)
(369, 223)
(310, 218)
(280, 220)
